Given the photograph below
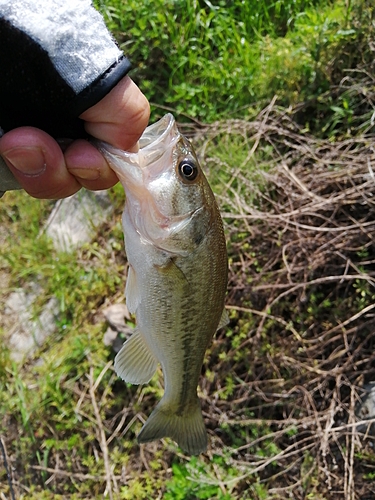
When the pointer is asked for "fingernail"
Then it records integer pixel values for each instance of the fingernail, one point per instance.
(87, 174)
(29, 161)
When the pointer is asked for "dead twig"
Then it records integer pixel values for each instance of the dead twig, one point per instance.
(110, 477)
(6, 467)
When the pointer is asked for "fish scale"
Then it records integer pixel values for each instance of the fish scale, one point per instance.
(175, 245)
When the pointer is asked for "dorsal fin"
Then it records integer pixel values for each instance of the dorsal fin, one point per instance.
(224, 320)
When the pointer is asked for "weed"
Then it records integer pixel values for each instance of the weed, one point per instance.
(196, 480)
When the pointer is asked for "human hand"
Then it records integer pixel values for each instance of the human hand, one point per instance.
(47, 169)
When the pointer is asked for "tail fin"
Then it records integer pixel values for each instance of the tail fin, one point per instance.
(187, 430)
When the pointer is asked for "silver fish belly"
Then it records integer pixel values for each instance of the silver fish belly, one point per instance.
(177, 279)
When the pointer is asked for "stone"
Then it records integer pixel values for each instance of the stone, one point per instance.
(366, 409)
(26, 331)
(116, 315)
(118, 330)
(74, 220)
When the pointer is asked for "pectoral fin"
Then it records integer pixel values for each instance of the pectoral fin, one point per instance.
(135, 363)
(132, 295)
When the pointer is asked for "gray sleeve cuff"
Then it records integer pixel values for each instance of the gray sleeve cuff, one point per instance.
(7, 180)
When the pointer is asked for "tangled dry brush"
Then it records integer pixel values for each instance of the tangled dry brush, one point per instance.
(302, 276)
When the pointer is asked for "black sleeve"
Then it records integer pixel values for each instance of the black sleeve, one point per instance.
(57, 59)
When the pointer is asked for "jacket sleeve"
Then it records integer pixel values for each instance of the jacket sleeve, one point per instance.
(57, 59)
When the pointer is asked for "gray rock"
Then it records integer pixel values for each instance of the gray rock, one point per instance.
(73, 221)
(365, 410)
(26, 331)
(118, 330)
(114, 339)
(116, 315)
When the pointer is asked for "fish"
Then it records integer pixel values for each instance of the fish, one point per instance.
(177, 276)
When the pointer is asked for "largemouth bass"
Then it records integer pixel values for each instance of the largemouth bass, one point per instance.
(177, 276)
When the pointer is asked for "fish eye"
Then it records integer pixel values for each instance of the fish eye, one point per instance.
(188, 170)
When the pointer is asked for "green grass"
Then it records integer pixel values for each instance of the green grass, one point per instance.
(214, 60)
(206, 61)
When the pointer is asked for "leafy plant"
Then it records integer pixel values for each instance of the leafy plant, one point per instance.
(212, 60)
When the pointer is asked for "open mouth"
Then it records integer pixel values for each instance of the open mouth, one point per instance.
(158, 132)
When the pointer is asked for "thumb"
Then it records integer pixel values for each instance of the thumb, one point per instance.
(120, 117)
(23, 160)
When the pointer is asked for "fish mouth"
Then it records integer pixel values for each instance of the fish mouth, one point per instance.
(156, 141)
(162, 133)
(156, 144)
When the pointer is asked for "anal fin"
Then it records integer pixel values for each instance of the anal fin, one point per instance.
(135, 363)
